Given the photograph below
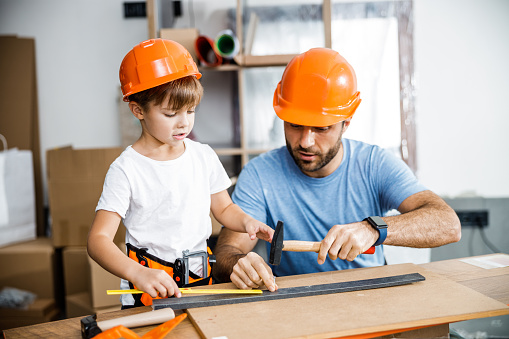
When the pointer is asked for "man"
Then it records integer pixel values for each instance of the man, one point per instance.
(326, 188)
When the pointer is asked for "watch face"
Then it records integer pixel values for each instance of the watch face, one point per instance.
(379, 222)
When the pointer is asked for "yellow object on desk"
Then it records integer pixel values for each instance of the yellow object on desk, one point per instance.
(191, 291)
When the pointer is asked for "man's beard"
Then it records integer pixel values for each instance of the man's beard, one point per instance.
(319, 163)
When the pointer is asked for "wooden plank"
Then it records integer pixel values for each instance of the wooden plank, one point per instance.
(458, 270)
(493, 283)
(327, 22)
(152, 19)
(267, 60)
(357, 304)
(496, 287)
(437, 300)
(71, 328)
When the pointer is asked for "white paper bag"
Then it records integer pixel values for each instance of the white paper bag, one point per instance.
(17, 196)
(4, 212)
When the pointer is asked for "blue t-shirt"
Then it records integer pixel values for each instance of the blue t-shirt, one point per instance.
(369, 181)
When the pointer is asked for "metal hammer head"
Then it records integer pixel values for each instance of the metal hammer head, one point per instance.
(276, 246)
(89, 327)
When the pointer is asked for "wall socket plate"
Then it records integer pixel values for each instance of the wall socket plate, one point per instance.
(473, 218)
(135, 9)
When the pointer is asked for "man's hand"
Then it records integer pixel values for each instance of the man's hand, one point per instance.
(155, 283)
(251, 271)
(347, 241)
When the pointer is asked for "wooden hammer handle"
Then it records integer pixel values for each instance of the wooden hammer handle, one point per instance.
(140, 319)
(310, 246)
(301, 246)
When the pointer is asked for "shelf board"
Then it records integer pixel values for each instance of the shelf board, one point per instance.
(239, 151)
(228, 151)
(264, 60)
(222, 68)
(257, 150)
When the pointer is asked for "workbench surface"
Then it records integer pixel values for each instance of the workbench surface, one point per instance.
(448, 276)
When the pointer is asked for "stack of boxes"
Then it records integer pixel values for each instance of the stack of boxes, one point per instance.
(29, 266)
(75, 180)
(58, 270)
(26, 263)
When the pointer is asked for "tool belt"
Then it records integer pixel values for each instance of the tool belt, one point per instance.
(179, 270)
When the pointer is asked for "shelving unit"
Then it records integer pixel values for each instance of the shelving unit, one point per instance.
(244, 150)
(245, 62)
(242, 63)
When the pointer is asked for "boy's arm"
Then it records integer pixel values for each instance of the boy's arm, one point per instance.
(231, 216)
(101, 248)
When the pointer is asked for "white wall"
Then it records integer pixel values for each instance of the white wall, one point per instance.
(461, 53)
(79, 47)
(462, 68)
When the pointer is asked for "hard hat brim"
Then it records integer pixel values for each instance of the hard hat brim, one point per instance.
(293, 114)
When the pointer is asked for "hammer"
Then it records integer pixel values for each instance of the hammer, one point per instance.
(90, 327)
(277, 246)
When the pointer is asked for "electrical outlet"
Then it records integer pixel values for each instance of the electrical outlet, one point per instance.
(473, 218)
(135, 9)
(177, 8)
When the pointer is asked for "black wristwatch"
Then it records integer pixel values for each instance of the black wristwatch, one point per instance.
(378, 224)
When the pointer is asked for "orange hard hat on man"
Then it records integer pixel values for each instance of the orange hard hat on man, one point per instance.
(155, 62)
(318, 88)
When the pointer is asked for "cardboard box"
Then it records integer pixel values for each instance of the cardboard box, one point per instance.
(29, 266)
(19, 121)
(76, 270)
(75, 181)
(79, 304)
(40, 311)
(101, 281)
(216, 226)
(84, 275)
(184, 36)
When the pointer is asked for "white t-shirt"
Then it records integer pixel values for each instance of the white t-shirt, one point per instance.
(165, 205)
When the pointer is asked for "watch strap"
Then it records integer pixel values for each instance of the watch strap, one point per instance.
(378, 224)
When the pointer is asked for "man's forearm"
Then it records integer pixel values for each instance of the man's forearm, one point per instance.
(231, 246)
(226, 257)
(433, 223)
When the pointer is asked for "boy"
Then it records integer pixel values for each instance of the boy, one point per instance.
(164, 186)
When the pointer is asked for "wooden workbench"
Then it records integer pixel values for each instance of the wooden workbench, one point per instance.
(493, 283)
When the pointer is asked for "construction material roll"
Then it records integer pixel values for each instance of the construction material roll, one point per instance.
(227, 44)
(204, 47)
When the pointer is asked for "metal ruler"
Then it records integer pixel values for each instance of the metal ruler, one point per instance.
(285, 293)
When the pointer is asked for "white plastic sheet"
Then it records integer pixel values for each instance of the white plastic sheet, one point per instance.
(4, 212)
(17, 197)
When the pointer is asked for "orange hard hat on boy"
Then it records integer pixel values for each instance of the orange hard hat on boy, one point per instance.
(155, 62)
(318, 88)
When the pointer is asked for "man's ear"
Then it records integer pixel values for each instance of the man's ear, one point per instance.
(136, 110)
(346, 123)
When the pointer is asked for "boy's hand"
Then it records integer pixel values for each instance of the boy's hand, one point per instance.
(257, 229)
(156, 283)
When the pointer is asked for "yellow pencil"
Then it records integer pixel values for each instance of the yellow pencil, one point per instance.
(191, 291)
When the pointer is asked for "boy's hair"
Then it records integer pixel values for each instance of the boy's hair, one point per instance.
(179, 93)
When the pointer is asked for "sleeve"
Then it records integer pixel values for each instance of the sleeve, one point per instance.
(116, 194)
(396, 181)
(248, 194)
(219, 179)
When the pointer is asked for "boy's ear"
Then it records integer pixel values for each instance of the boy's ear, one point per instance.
(136, 110)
